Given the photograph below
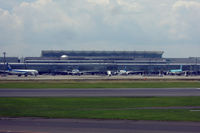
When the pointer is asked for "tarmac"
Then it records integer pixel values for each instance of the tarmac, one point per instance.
(41, 125)
(94, 92)
(97, 77)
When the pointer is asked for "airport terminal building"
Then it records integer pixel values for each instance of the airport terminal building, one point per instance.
(98, 62)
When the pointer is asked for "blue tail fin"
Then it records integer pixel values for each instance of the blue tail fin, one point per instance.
(9, 67)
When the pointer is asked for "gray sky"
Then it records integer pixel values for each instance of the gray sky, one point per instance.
(29, 26)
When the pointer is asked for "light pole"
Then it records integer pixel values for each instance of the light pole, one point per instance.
(197, 68)
(4, 61)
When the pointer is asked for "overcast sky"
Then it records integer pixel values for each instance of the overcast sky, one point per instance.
(29, 26)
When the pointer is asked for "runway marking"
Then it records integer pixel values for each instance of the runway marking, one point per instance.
(194, 110)
(198, 88)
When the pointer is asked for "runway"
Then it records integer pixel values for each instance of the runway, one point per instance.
(113, 92)
(39, 125)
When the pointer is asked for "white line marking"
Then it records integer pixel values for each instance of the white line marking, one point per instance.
(194, 110)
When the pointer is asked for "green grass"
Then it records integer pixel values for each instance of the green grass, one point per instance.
(138, 84)
(101, 108)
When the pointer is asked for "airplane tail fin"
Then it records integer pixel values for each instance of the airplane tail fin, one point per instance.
(9, 67)
(181, 67)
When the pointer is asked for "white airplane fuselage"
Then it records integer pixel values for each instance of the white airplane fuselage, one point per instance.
(24, 72)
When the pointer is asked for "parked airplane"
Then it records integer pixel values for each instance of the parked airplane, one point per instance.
(20, 72)
(75, 72)
(125, 72)
(177, 71)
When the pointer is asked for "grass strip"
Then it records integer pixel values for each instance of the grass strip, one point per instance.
(101, 108)
(35, 84)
